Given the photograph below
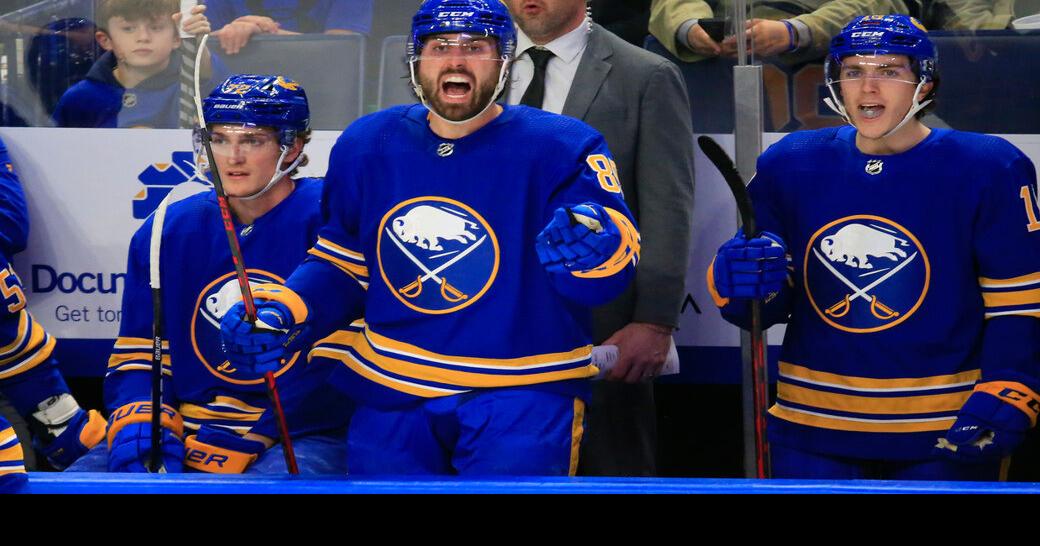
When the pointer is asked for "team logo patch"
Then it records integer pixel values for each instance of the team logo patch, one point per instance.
(445, 149)
(865, 273)
(213, 303)
(436, 255)
(159, 179)
(874, 166)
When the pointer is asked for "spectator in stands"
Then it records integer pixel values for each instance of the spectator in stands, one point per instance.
(790, 32)
(136, 82)
(238, 20)
(968, 14)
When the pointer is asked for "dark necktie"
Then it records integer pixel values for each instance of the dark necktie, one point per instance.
(535, 93)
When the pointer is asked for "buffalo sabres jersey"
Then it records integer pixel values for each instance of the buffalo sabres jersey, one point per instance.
(916, 277)
(435, 240)
(199, 285)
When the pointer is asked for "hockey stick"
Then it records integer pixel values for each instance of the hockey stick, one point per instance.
(155, 462)
(759, 378)
(240, 269)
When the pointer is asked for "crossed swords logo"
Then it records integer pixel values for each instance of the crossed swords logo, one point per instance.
(877, 308)
(448, 292)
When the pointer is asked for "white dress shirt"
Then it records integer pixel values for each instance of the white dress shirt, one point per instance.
(559, 73)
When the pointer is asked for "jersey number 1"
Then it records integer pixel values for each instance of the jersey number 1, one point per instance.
(1027, 196)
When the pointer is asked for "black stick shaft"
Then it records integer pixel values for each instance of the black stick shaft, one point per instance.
(155, 462)
(759, 376)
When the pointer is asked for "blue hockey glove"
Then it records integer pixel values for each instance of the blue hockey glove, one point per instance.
(750, 268)
(82, 432)
(577, 238)
(259, 348)
(219, 451)
(130, 439)
(991, 424)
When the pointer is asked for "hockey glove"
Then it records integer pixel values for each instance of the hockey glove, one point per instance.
(577, 238)
(75, 438)
(130, 439)
(991, 424)
(221, 452)
(260, 347)
(12, 464)
(750, 268)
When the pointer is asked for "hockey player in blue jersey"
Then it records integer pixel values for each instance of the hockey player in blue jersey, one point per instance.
(906, 262)
(473, 237)
(218, 413)
(29, 374)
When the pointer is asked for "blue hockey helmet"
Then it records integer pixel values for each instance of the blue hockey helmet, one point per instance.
(885, 35)
(488, 18)
(262, 100)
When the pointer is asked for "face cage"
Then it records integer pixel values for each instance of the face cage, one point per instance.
(836, 104)
(202, 166)
(417, 88)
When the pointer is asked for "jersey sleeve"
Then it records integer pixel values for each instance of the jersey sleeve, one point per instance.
(775, 309)
(28, 372)
(14, 213)
(591, 177)
(1007, 252)
(128, 377)
(332, 281)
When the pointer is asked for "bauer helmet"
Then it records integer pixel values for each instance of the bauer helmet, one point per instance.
(258, 100)
(261, 100)
(882, 35)
(477, 18)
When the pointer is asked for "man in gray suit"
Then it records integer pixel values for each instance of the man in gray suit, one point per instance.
(637, 100)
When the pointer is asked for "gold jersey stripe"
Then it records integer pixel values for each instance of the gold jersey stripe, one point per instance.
(191, 411)
(832, 422)
(873, 405)
(340, 249)
(42, 354)
(1024, 280)
(1018, 297)
(354, 269)
(364, 371)
(801, 373)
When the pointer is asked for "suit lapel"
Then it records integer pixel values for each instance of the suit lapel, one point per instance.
(592, 70)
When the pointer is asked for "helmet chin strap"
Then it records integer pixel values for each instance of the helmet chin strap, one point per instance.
(278, 174)
(502, 73)
(834, 104)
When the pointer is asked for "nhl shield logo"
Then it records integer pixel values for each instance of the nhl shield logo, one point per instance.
(865, 273)
(129, 100)
(214, 302)
(436, 255)
(445, 149)
(874, 166)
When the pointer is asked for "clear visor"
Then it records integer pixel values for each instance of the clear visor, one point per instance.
(878, 68)
(475, 48)
(242, 140)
